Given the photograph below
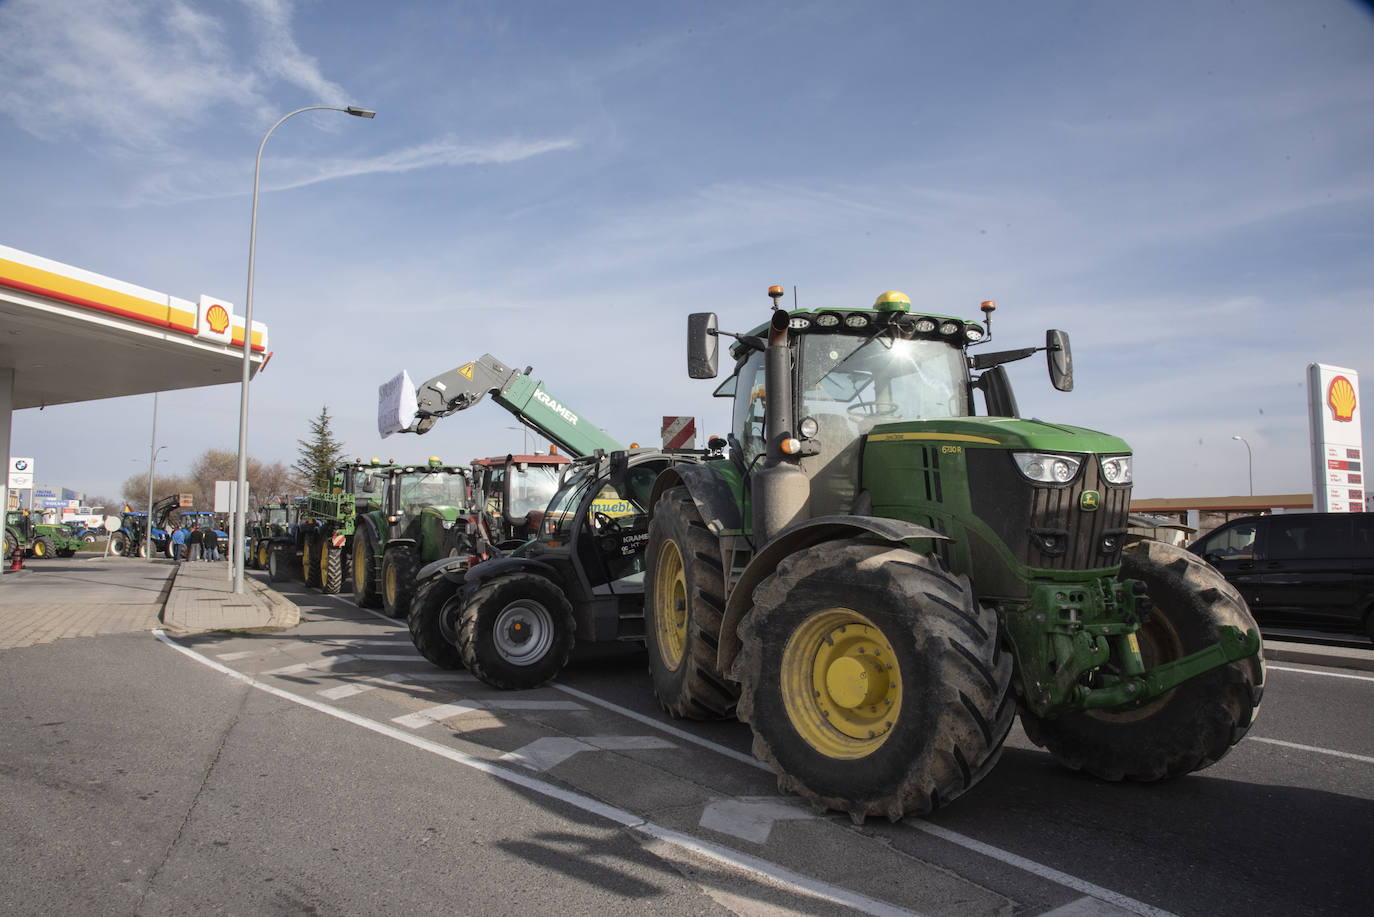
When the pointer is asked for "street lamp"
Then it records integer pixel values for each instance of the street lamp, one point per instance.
(152, 463)
(1249, 461)
(241, 492)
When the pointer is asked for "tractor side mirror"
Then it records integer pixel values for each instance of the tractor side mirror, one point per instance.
(1060, 359)
(703, 347)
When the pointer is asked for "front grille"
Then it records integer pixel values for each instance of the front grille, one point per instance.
(1045, 525)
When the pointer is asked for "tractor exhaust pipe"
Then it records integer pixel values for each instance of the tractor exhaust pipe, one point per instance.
(781, 490)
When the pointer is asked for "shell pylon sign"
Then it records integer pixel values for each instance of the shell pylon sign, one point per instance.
(1333, 412)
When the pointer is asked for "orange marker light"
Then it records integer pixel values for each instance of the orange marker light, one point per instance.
(791, 446)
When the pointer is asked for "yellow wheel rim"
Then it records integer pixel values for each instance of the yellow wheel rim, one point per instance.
(262, 555)
(389, 584)
(360, 559)
(841, 684)
(670, 606)
(40, 549)
(324, 561)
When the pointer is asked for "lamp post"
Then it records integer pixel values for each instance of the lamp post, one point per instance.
(240, 516)
(1249, 461)
(152, 463)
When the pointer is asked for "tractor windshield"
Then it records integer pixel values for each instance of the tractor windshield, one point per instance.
(433, 488)
(531, 488)
(884, 376)
(562, 512)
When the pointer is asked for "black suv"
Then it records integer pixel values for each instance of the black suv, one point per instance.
(1314, 569)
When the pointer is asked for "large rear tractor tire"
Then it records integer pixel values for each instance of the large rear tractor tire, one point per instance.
(310, 558)
(684, 603)
(872, 681)
(331, 567)
(10, 544)
(118, 542)
(1195, 724)
(43, 547)
(516, 632)
(261, 551)
(400, 566)
(365, 568)
(433, 622)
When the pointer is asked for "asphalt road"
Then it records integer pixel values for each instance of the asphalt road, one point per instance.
(331, 770)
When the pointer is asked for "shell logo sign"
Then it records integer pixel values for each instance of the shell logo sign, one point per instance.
(217, 318)
(1340, 397)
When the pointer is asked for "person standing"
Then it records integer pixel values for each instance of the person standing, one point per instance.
(193, 543)
(178, 543)
(210, 541)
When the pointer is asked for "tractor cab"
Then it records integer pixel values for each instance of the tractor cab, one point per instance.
(515, 490)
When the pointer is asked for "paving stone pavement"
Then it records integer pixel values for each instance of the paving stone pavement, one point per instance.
(86, 596)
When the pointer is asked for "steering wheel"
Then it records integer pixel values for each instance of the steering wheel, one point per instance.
(606, 522)
(872, 409)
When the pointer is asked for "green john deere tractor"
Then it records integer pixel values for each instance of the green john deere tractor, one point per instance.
(328, 521)
(38, 540)
(879, 578)
(426, 512)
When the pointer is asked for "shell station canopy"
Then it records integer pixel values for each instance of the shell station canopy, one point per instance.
(71, 335)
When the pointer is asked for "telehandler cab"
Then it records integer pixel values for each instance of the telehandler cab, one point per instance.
(877, 580)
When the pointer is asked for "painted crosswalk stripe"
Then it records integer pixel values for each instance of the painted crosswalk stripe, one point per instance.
(444, 711)
(234, 657)
(392, 679)
(300, 667)
(542, 754)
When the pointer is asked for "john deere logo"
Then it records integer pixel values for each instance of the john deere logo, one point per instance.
(217, 318)
(1089, 501)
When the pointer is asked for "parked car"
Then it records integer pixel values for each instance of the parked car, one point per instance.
(1309, 569)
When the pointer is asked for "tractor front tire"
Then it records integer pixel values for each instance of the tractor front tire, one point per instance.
(400, 566)
(872, 681)
(365, 591)
(433, 629)
(310, 558)
(278, 565)
(43, 547)
(331, 567)
(1189, 727)
(118, 540)
(516, 632)
(261, 551)
(684, 603)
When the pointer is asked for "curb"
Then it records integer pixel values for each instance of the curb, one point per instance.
(1316, 654)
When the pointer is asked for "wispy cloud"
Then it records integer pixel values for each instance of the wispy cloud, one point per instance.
(223, 180)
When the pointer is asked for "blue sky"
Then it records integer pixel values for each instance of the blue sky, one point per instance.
(1187, 188)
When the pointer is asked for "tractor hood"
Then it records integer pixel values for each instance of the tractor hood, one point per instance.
(1013, 433)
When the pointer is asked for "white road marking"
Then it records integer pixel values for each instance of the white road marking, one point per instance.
(1085, 907)
(316, 664)
(389, 657)
(1313, 748)
(443, 711)
(751, 817)
(1004, 856)
(1130, 905)
(372, 682)
(542, 754)
(764, 870)
(234, 657)
(1283, 668)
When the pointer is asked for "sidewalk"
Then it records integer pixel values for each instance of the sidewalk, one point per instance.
(201, 598)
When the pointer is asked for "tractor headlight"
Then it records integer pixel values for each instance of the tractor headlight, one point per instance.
(808, 427)
(1117, 469)
(1047, 468)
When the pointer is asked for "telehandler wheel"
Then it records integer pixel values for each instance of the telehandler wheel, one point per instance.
(43, 547)
(872, 681)
(399, 569)
(365, 568)
(517, 631)
(1195, 724)
(331, 567)
(683, 606)
(310, 558)
(433, 629)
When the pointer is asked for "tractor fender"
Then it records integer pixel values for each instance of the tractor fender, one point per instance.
(789, 541)
(398, 543)
(501, 566)
(710, 491)
(453, 569)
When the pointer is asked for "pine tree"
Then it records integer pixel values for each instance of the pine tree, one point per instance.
(319, 454)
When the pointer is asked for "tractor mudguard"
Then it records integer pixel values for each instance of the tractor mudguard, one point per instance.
(715, 488)
(789, 541)
(399, 542)
(500, 566)
(451, 568)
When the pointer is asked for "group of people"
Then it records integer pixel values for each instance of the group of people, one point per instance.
(195, 543)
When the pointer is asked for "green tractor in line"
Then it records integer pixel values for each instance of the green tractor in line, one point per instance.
(271, 521)
(325, 533)
(425, 512)
(37, 539)
(878, 579)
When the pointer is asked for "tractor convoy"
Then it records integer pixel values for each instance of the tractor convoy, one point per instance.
(878, 569)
